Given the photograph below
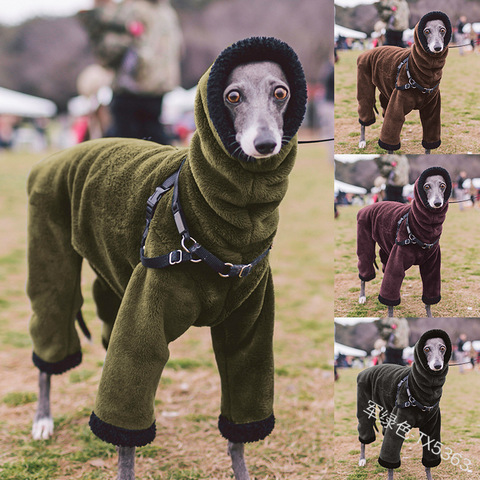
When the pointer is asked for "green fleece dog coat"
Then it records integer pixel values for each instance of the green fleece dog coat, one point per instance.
(380, 385)
(90, 201)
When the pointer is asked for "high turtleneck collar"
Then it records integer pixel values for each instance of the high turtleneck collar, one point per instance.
(426, 222)
(426, 384)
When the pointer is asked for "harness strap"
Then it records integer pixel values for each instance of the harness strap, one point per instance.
(412, 239)
(411, 82)
(411, 402)
(193, 253)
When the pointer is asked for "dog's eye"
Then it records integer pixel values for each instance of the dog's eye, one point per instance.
(233, 96)
(426, 31)
(443, 186)
(443, 31)
(426, 187)
(280, 93)
(426, 349)
(442, 348)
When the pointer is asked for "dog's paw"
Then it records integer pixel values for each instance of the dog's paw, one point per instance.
(362, 299)
(362, 144)
(42, 429)
(362, 462)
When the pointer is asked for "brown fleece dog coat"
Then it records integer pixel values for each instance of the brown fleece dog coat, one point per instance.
(378, 223)
(379, 68)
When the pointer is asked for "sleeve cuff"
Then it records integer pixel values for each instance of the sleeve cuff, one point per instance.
(434, 462)
(385, 464)
(368, 122)
(431, 145)
(390, 303)
(431, 301)
(246, 432)
(387, 146)
(56, 368)
(121, 436)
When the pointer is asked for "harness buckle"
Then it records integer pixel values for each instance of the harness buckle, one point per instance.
(407, 241)
(412, 238)
(246, 269)
(194, 260)
(179, 255)
(226, 275)
(411, 82)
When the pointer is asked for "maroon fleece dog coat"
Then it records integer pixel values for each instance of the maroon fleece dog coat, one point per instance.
(378, 223)
(378, 68)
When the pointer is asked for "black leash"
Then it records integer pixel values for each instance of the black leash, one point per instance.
(411, 402)
(460, 201)
(317, 141)
(412, 239)
(195, 252)
(411, 82)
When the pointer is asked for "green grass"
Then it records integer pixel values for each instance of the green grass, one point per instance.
(460, 110)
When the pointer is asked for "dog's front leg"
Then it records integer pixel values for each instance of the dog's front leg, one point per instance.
(429, 475)
(362, 462)
(236, 452)
(390, 311)
(362, 143)
(427, 151)
(42, 428)
(126, 463)
(362, 297)
(390, 474)
(428, 310)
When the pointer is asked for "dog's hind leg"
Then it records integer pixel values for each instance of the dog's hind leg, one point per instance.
(427, 151)
(429, 475)
(390, 474)
(362, 462)
(428, 310)
(43, 423)
(390, 311)
(362, 297)
(236, 453)
(362, 143)
(126, 463)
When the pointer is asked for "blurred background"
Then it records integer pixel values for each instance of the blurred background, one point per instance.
(45, 46)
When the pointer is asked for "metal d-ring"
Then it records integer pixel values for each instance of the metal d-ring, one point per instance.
(194, 260)
(228, 265)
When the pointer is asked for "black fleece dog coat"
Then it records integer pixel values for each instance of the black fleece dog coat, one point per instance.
(90, 202)
(379, 68)
(379, 223)
(379, 385)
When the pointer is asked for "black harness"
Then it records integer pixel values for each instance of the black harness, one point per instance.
(193, 253)
(412, 239)
(411, 82)
(411, 402)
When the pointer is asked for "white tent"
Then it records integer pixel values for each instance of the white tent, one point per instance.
(348, 32)
(347, 188)
(350, 351)
(23, 105)
(353, 3)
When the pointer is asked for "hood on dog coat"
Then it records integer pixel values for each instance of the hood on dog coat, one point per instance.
(90, 201)
(377, 68)
(378, 223)
(379, 384)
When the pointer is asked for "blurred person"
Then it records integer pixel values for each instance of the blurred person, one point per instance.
(141, 41)
(460, 355)
(395, 13)
(396, 334)
(461, 35)
(460, 189)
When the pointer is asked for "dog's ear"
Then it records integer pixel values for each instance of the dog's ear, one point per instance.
(434, 16)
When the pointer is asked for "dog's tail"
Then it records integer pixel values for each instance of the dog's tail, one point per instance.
(83, 325)
(375, 108)
(375, 264)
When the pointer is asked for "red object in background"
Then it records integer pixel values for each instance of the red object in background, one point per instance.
(136, 28)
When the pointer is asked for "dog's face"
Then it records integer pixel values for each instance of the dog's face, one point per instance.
(434, 32)
(434, 351)
(434, 188)
(257, 96)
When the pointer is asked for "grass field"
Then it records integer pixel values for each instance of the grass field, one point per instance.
(460, 87)
(460, 271)
(188, 445)
(460, 433)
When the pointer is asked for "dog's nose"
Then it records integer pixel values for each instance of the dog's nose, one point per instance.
(264, 146)
(438, 204)
(438, 49)
(437, 366)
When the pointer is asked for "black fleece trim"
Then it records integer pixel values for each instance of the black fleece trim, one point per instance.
(391, 303)
(246, 432)
(121, 436)
(367, 279)
(434, 334)
(366, 442)
(431, 146)
(56, 368)
(427, 173)
(387, 146)
(431, 301)
(432, 463)
(367, 124)
(385, 464)
(255, 49)
(434, 16)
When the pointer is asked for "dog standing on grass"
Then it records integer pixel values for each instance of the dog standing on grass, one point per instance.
(407, 79)
(407, 397)
(407, 235)
(200, 259)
